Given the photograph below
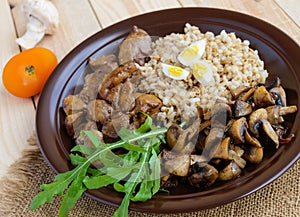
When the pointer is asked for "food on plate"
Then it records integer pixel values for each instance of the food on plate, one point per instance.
(25, 74)
(193, 110)
(42, 18)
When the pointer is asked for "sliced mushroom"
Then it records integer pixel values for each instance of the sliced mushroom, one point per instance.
(212, 141)
(198, 158)
(270, 132)
(231, 171)
(253, 154)
(248, 94)
(262, 98)
(186, 141)
(203, 175)
(136, 46)
(241, 108)
(238, 91)
(222, 150)
(179, 165)
(255, 119)
(279, 96)
(237, 130)
(172, 134)
(72, 104)
(99, 110)
(237, 159)
(220, 114)
(251, 140)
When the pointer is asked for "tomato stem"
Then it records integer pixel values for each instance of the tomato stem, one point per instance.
(30, 70)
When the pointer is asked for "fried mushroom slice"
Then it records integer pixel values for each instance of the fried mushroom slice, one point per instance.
(231, 171)
(203, 175)
(172, 134)
(179, 165)
(241, 108)
(124, 100)
(136, 46)
(253, 154)
(262, 98)
(255, 119)
(237, 130)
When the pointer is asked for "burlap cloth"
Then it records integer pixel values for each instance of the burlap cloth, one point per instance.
(280, 198)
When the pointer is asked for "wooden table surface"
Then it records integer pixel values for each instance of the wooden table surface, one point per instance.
(79, 19)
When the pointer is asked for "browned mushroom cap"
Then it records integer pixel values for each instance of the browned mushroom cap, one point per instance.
(124, 100)
(186, 141)
(73, 123)
(255, 119)
(203, 175)
(241, 108)
(220, 114)
(248, 94)
(237, 130)
(72, 104)
(99, 110)
(198, 158)
(231, 171)
(221, 151)
(270, 132)
(235, 93)
(251, 140)
(136, 46)
(278, 94)
(274, 116)
(232, 155)
(262, 98)
(179, 165)
(253, 154)
(212, 141)
(172, 134)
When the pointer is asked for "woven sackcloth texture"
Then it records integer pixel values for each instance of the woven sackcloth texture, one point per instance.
(281, 198)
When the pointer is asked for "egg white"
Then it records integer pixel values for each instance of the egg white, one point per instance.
(174, 72)
(191, 54)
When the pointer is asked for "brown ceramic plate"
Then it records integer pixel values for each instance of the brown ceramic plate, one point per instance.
(279, 52)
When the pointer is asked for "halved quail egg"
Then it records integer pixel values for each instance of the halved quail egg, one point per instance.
(192, 53)
(203, 72)
(174, 72)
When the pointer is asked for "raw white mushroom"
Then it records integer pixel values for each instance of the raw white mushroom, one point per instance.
(43, 18)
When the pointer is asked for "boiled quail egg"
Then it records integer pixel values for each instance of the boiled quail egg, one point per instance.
(202, 71)
(192, 53)
(174, 72)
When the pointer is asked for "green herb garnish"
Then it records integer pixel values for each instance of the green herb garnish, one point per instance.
(136, 173)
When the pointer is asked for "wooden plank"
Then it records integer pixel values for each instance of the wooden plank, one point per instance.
(275, 15)
(292, 8)
(16, 114)
(110, 12)
(77, 22)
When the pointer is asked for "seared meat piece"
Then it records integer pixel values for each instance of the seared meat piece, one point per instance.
(74, 123)
(136, 46)
(99, 110)
(112, 80)
(104, 64)
(148, 103)
(72, 104)
(124, 100)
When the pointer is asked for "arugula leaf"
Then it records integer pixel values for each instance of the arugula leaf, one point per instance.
(135, 173)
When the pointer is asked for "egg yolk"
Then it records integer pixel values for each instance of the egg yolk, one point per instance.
(190, 53)
(175, 71)
(199, 70)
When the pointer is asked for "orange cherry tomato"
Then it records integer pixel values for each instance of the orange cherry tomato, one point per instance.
(25, 74)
